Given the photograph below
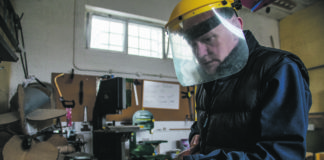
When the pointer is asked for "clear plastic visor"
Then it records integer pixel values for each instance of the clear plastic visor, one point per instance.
(207, 47)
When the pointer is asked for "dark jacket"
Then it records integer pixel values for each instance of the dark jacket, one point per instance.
(259, 113)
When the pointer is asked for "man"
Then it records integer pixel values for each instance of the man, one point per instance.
(252, 101)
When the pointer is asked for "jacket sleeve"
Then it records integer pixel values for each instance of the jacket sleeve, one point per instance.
(284, 108)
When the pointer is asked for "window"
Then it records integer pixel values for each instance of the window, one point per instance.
(107, 33)
(125, 34)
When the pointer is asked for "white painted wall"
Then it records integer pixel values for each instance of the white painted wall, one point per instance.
(54, 32)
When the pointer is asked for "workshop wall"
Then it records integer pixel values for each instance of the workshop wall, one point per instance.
(302, 33)
(69, 86)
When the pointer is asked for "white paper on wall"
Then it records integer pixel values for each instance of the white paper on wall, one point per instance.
(161, 95)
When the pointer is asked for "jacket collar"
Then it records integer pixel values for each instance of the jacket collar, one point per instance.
(251, 41)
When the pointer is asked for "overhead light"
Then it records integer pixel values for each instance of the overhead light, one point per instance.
(255, 5)
(286, 4)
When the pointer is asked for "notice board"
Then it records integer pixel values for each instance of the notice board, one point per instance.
(161, 95)
(70, 88)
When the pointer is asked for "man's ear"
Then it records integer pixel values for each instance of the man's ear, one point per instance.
(240, 21)
(237, 21)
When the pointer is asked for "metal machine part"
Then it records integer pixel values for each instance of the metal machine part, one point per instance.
(78, 155)
(145, 149)
(109, 141)
(111, 99)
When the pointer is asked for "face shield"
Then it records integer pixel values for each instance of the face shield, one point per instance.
(207, 46)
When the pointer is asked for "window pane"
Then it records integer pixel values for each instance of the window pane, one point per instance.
(147, 38)
(132, 42)
(132, 30)
(156, 35)
(144, 32)
(117, 27)
(99, 33)
(116, 39)
(107, 33)
(155, 46)
(145, 44)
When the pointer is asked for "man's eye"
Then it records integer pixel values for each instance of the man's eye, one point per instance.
(208, 39)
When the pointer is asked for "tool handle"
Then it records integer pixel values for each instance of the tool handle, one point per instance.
(57, 87)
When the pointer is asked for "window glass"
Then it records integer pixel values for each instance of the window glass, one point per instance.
(145, 40)
(107, 33)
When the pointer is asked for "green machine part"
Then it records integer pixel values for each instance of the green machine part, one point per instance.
(145, 120)
(146, 149)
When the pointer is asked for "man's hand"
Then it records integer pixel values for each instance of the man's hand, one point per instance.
(195, 140)
(183, 153)
(194, 147)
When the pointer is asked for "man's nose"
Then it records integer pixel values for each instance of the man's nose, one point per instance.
(200, 49)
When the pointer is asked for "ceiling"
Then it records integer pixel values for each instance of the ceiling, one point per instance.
(279, 9)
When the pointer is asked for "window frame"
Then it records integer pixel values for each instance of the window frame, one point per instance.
(127, 19)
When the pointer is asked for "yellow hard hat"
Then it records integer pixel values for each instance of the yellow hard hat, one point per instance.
(186, 9)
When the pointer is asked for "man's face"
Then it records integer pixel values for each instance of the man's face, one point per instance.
(213, 47)
(211, 37)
